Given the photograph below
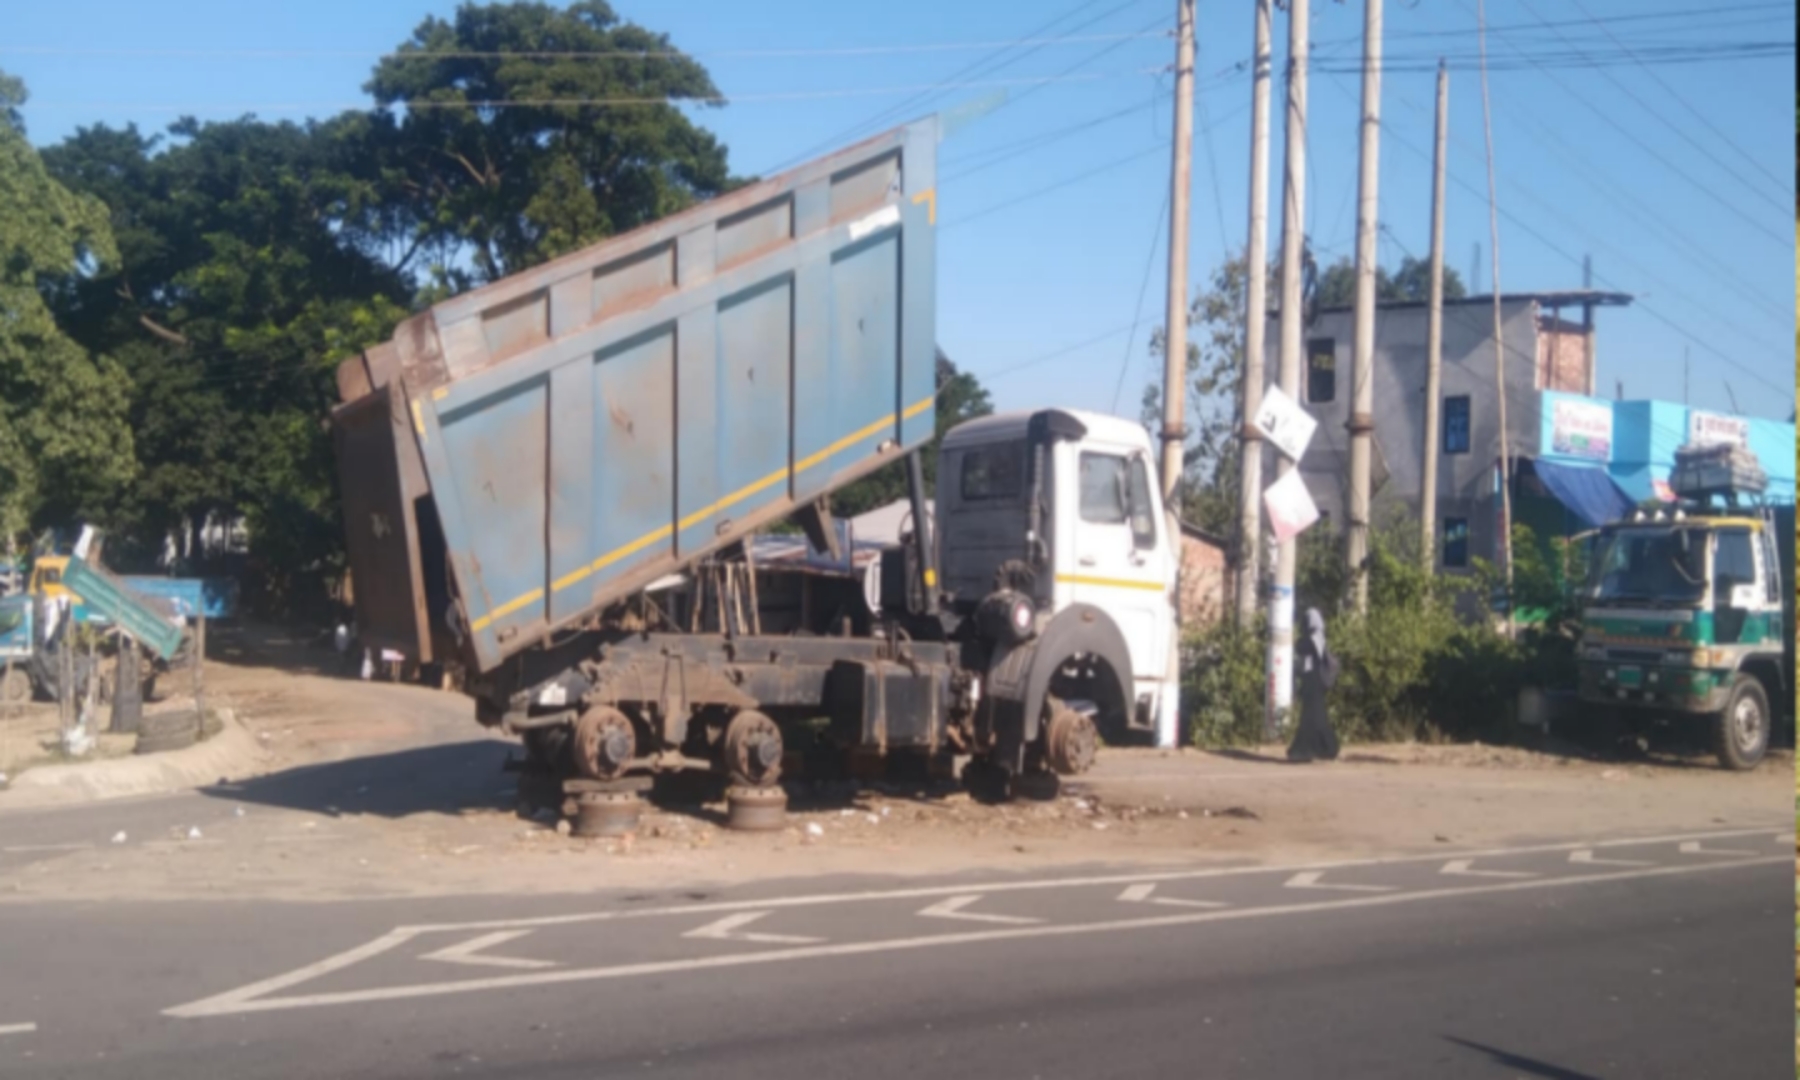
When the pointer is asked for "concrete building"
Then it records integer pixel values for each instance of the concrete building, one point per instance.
(1576, 457)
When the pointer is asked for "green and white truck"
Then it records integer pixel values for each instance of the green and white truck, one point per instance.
(1688, 618)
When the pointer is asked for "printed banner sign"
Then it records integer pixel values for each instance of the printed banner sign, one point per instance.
(1711, 429)
(1582, 429)
(1290, 506)
(1284, 423)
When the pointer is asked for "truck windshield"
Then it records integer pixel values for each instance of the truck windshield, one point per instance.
(1651, 566)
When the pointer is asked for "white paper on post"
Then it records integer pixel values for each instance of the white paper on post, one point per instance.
(1284, 423)
(1290, 506)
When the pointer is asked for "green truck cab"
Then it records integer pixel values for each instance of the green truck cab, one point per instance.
(1687, 618)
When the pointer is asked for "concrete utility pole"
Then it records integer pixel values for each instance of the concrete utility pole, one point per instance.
(1293, 225)
(1174, 429)
(1362, 358)
(1434, 332)
(1256, 321)
(1504, 540)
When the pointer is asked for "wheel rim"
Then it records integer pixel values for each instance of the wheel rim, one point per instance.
(1747, 724)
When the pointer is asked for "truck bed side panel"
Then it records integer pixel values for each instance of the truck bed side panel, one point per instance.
(591, 424)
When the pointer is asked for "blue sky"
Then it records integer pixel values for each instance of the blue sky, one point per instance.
(1678, 183)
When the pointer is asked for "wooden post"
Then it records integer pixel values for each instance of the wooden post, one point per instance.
(200, 675)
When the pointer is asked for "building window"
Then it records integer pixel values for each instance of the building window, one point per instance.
(1456, 424)
(1321, 370)
(1456, 542)
(992, 472)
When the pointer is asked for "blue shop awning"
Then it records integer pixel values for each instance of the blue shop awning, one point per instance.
(1587, 492)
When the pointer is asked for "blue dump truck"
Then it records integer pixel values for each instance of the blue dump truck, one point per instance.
(551, 482)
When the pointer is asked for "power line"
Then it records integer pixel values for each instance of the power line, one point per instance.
(983, 64)
(1011, 369)
(596, 102)
(1007, 204)
(1660, 157)
(1686, 104)
(1671, 125)
(1530, 230)
(575, 54)
(1004, 152)
(1550, 206)
(1137, 312)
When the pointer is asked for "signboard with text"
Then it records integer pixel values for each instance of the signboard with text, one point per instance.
(1582, 429)
(1712, 429)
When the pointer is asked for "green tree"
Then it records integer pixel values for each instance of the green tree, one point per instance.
(1215, 366)
(501, 187)
(960, 397)
(1409, 284)
(65, 447)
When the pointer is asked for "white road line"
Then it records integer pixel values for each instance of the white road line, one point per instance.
(17, 1029)
(1140, 894)
(247, 1000)
(1692, 847)
(22, 849)
(1461, 868)
(726, 929)
(1310, 880)
(924, 892)
(953, 909)
(469, 952)
(1586, 856)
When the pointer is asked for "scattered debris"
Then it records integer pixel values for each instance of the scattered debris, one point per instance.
(1240, 812)
(119, 837)
(237, 811)
(563, 828)
(813, 828)
(193, 832)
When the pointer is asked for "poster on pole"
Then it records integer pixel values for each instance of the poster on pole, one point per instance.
(1290, 506)
(1711, 429)
(1284, 423)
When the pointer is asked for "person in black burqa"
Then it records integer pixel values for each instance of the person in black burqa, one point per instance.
(1314, 739)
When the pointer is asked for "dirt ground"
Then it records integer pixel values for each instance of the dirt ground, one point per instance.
(371, 789)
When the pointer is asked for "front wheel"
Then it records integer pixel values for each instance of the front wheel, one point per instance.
(1741, 732)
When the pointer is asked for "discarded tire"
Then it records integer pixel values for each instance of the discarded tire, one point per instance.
(607, 813)
(162, 732)
(755, 809)
(15, 686)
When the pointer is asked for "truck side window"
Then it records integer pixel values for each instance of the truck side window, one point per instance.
(1733, 564)
(1143, 521)
(1103, 489)
(991, 472)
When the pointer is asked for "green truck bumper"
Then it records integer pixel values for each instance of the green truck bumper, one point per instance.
(1655, 687)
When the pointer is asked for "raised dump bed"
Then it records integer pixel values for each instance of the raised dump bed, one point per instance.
(522, 456)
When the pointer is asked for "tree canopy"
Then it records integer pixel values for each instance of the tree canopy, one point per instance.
(1411, 283)
(198, 286)
(65, 446)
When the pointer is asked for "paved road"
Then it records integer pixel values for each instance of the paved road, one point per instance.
(1646, 957)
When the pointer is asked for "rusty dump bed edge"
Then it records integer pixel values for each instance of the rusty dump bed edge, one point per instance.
(517, 457)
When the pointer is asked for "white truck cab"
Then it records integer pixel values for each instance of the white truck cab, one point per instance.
(1095, 538)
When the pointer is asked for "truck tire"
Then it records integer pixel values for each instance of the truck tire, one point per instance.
(1741, 732)
(15, 687)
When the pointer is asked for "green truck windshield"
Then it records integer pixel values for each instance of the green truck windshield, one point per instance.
(1660, 566)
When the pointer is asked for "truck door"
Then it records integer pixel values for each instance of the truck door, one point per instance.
(1120, 556)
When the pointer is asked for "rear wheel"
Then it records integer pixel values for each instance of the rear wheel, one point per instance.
(1741, 732)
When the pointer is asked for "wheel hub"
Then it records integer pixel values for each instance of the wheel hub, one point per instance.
(1747, 724)
(753, 749)
(605, 743)
(1072, 742)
